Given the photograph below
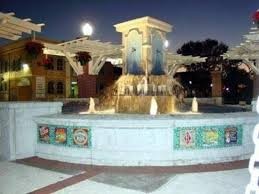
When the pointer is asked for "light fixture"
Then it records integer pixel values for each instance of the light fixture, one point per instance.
(166, 44)
(25, 67)
(190, 82)
(87, 29)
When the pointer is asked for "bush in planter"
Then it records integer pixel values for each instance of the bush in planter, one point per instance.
(83, 57)
(33, 49)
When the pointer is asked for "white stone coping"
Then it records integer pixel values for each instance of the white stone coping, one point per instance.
(147, 121)
(30, 104)
(121, 116)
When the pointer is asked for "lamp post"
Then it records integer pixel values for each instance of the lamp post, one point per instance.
(87, 29)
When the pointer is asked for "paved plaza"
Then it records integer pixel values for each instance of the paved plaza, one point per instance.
(35, 175)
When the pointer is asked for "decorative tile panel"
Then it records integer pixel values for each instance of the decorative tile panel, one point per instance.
(206, 137)
(70, 136)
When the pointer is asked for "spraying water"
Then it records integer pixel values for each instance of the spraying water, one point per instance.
(153, 106)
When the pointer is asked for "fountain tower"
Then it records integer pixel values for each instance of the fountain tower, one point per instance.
(145, 73)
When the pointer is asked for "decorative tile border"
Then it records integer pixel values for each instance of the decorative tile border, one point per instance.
(70, 136)
(206, 137)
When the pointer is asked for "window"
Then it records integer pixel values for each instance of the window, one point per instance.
(51, 87)
(50, 65)
(60, 88)
(5, 66)
(60, 64)
(3, 86)
(1, 66)
(13, 65)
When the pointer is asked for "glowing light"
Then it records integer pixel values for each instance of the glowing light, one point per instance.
(190, 82)
(87, 29)
(25, 67)
(211, 85)
(166, 44)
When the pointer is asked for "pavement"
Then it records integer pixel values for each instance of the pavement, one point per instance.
(36, 175)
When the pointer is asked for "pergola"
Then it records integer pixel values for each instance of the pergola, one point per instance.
(12, 28)
(248, 51)
(100, 52)
(176, 61)
(106, 51)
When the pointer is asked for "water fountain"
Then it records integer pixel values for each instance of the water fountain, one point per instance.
(153, 138)
(145, 73)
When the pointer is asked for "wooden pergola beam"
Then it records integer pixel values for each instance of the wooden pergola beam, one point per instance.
(12, 27)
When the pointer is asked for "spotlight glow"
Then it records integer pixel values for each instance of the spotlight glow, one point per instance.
(166, 44)
(25, 67)
(87, 29)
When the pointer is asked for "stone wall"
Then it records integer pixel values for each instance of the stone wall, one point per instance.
(17, 128)
(140, 140)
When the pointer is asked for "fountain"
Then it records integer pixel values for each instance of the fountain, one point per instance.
(162, 139)
(145, 73)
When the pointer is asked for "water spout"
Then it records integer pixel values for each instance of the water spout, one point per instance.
(194, 105)
(153, 106)
(91, 106)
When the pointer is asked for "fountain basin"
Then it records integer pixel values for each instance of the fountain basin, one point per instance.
(143, 140)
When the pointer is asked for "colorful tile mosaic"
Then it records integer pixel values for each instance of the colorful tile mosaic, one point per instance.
(71, 136)
(206, 137)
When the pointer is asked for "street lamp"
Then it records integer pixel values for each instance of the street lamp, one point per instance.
(87, 29)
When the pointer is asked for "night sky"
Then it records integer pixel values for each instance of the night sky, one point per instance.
(224, 20)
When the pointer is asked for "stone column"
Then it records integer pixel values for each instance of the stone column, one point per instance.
(216, 87)
(86, 84)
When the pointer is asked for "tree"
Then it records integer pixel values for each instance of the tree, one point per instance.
(212, 49)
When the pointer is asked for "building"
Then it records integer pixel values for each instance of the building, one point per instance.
(46, 77)
(27, 75)
(93, 85)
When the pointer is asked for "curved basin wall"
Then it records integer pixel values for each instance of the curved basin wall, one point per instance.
(139, 140)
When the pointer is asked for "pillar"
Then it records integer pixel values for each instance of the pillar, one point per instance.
(216, 87)
(86, 84)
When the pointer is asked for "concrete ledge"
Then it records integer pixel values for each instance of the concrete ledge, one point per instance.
(143, 140)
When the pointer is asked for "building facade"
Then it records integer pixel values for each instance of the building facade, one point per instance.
(46, 77)
(37, 78)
